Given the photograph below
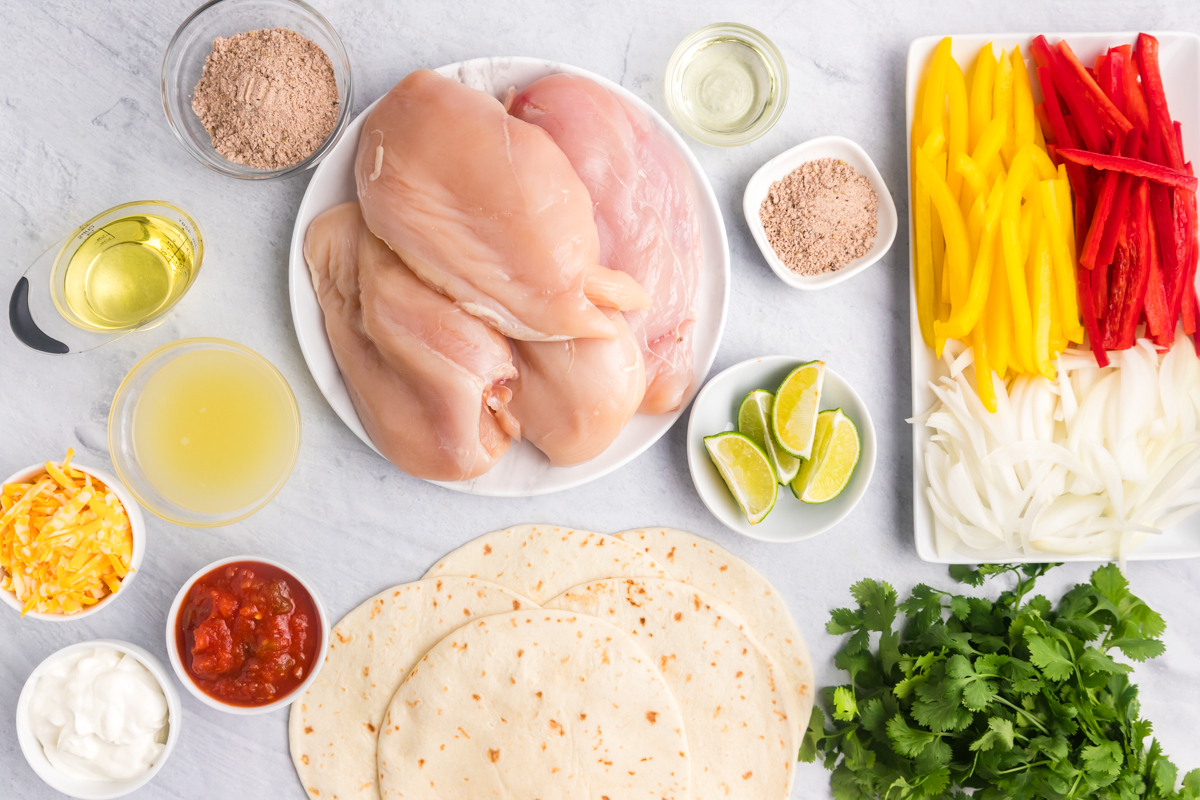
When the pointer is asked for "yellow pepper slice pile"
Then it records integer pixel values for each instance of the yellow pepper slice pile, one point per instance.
(65, 540)
(994, 236)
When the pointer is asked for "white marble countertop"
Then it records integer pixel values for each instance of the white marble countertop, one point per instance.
(82, 129)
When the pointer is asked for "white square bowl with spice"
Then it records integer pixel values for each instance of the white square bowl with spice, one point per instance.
(787, 162)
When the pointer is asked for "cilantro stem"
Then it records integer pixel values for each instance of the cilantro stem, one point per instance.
(1023, 767)
(1020, 710)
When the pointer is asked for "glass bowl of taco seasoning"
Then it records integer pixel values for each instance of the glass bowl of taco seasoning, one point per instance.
(247, 635)
(257, 89)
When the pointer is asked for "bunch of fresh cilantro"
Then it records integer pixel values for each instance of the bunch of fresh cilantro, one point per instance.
(1011, 698)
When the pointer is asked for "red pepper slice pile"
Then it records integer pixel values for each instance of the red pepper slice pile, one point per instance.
(1135, 195)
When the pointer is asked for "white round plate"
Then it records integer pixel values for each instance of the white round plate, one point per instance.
(523, 471)
(715, 411)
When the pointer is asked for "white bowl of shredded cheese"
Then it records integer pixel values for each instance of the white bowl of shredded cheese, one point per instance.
(137, 526)
(108, 711)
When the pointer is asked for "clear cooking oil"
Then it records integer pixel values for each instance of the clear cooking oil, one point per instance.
(127, 272)
(726, 84)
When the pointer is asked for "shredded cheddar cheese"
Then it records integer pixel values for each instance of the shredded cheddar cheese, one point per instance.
(65, 540)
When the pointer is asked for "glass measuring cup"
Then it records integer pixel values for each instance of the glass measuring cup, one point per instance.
(121, 271)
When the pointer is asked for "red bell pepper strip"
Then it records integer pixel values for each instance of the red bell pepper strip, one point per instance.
(1139, 252)
(1188, 314)
(1117, 216)
(1120, 287)
(1154, 304)
(1164, 220)
(1156, 97)
(1087, 119)
(1088, 255)
(1039, 111)
(1135, 99)
(1111, 116)
(1112, 80)
(1087, 308)
(1063, 137)
(1183, 217)
(1131, 166)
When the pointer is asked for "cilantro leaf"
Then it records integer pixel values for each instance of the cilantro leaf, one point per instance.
(1103, 758)
(1139, 649)
(843, 620)
(1048, 657)
(999, 734)
(908, 741)
(878, 603)
(813, 735)
(872, 714)
(1094, 661)
(845, 707)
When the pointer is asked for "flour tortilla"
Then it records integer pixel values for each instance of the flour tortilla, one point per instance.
(737, 706)
(332, 729)
(542, 561)
(705, 565)
(545, 704)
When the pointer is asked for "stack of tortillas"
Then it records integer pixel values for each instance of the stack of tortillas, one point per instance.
(549, 663)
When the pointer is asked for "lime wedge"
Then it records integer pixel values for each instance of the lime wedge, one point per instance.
(754, 422)
(746, 471)
(834, 457)
(794, 414)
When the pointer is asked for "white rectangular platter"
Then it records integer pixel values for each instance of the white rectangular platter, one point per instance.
(1179, 57)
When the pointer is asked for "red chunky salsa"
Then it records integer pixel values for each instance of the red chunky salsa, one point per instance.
(248, 633)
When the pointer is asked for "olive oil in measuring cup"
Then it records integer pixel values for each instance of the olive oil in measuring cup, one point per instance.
(127, 267)
(726, 84)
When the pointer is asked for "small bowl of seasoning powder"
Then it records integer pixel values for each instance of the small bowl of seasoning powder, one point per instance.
(820, 212)
(257, 89)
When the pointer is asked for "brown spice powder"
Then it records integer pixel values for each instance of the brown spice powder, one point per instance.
(268, 98)
(821, 216)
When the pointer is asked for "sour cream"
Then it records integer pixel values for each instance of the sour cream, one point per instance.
(100, 715)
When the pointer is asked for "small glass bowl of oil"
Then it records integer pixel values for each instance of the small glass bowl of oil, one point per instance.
(204, 432)
(126, 267)
(726, 84)
(119, 272)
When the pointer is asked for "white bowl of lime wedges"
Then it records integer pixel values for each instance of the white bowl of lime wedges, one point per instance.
(834, 479)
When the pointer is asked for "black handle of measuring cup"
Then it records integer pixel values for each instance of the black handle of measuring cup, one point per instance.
(23, 326)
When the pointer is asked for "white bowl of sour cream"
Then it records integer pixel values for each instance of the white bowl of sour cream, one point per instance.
(98, 719)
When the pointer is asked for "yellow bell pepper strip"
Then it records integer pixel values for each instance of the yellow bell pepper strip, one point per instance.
(939, 246)
(964, 319)
(1060, 253)
(1014, 262)
(1002, 106)
(957, 134)
(953, 227)
(972, 174)
(990, 141)
(923, 282)
(999, 319)
(935, 142)
(1042, 305)
(975, 227)
(984, 385)
(1046, 170)
(979, 111)
(1022, 98)
(934, 101)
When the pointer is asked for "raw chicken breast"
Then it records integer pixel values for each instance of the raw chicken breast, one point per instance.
(572, 398)
(645, 214)
(425, 377)
(487, 210)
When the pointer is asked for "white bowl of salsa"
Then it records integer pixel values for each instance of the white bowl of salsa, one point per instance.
(247, 635)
